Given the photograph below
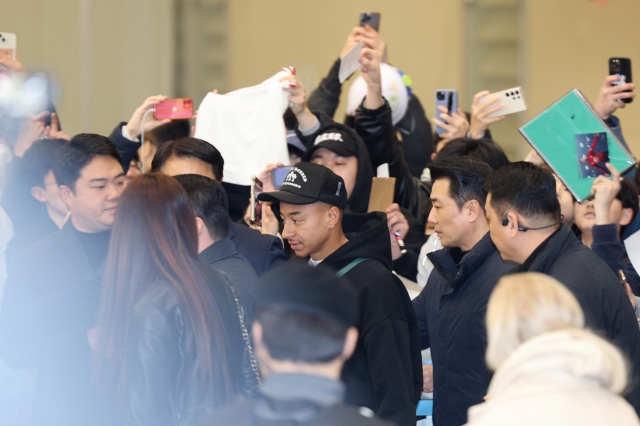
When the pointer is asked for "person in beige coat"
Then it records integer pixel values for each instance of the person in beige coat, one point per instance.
(549, 370)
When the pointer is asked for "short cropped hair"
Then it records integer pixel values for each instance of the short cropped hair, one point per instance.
(74, 156)
(294, 336)
(466, 177)
(523, 306)
(168, 132)
(210, 203)
(482, 149)
(39, 159)
(190, 148)
(525, 188)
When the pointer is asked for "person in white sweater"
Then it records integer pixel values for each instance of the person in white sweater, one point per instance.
(549, 370)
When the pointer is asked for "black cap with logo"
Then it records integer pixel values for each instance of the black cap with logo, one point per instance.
(309, 183)
(335, 137)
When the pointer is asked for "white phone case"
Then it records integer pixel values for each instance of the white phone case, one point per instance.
(8, 41)
(512, 99)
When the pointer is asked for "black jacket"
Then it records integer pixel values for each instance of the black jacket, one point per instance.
(414, 127)
(376, 130)
(385, 372)
(63, 394)
(263, 252)
(293, 399)
(610, 248)
(162, 388)
(605, 304)
(359, 197)
(34, 232)
(127, 148)
(223, 257)
(451, 313)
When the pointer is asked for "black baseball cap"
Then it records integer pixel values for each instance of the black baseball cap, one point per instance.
(313, 291)
(335, 137)
(308, 183)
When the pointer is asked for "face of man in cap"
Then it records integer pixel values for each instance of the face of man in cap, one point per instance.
(307, 228)
(345, 167)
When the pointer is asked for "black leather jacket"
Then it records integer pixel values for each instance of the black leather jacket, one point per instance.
(162, 387)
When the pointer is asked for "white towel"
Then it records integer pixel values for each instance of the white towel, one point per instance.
(246, 126)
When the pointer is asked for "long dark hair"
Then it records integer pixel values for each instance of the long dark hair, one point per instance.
(154, 238)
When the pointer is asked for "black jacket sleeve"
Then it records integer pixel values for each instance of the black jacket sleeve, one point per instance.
(419, 305)
(375, 127)
(609, 248)
(125, 147)
(326, 96)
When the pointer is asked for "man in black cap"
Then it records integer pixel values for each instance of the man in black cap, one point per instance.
(303, 333)
(385, 372)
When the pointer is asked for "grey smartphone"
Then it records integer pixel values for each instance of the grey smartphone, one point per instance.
(370, 18)
(279, 175)
(447, 98)
(622, 68)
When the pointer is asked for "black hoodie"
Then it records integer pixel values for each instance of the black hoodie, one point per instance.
(385, 371)
(359, 198)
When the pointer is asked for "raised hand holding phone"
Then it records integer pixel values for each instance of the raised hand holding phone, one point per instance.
(135, 124)
(370, 71)
(612, 96)
(481, 109)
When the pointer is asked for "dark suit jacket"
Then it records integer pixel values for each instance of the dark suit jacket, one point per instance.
(35, 232)
(223, 257)
(262, 251)
(63, 394)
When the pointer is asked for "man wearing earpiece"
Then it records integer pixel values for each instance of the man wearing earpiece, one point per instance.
(451, 308)
(525, 225)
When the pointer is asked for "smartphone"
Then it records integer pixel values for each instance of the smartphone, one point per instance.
(279, 175)
(256, 205)
(174, 109)
(370, 18)
(8, 45)
(511, 99)
(622, 68)
(447, 98)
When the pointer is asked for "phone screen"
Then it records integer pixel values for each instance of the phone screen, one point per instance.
(279, 175)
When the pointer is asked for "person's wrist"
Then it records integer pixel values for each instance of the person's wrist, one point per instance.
(134, 133)
(476, 132)
(602, 216)
(602, 113)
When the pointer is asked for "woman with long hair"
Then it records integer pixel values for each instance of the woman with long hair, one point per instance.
(549, 370)
(168, 332)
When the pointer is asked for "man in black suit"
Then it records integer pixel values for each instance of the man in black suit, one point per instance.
(211, 206)
(195, 156)
(90, 176)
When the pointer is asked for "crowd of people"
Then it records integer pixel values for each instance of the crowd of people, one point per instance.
(137, 290)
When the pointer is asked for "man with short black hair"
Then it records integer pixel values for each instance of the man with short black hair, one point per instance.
(384, 373)
(195, 156)
(452, 306)
(304, 332)
(526, 226)
(211, 206)
(89, 173)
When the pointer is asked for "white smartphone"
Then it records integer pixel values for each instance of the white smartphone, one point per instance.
(511, 99)
(8, 45)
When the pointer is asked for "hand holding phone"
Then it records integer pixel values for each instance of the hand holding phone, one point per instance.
(445, 99)
(370, 18)
(612, 96)
(622, 68)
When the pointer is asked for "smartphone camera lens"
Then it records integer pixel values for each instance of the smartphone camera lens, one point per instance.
(517, 92)
(440, 96)
(507, 94)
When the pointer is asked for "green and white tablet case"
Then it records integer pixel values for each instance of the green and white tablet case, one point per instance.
(574, 141)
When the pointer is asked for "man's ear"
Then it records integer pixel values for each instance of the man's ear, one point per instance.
(626, 218)
(66, 194)
(200, 225)
(38, 193)
(350, 342)
(333, 215)
(474, 209)
(513, 224)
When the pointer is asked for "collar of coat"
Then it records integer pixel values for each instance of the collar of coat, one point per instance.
(445, 265)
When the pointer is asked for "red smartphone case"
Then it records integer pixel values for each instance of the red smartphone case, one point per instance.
(174, 109)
